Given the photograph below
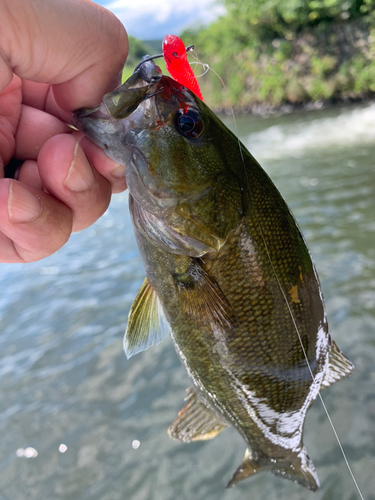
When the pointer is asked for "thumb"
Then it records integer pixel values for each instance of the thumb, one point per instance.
(76, 45)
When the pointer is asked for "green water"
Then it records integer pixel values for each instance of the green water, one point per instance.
(65, 380)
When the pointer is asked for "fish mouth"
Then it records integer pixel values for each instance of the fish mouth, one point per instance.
(82, 112)
(102, 128)
(98, 125)
(117, 125)
(81, 116)
(118, 104)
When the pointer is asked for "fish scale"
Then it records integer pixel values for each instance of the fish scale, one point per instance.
(255, 324)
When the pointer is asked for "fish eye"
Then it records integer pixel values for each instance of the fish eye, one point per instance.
(189, 123)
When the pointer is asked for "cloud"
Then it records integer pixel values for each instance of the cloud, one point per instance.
(148, 20)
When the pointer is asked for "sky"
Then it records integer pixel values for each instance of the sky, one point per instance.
(153, 19)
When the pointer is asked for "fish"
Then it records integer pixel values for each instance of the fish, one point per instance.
(228, 274)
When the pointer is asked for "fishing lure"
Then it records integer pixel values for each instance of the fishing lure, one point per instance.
(175, 56)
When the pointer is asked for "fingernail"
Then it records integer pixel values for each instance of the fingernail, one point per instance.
(118, 172)
(80, 176)
(23, 205)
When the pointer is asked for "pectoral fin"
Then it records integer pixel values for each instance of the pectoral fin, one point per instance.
(195, 422)
(147, 324)
(338, 367)
(202, 297)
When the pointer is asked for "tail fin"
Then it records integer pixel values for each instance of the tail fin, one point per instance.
(300, 470)
(248, 468)
(297, 467)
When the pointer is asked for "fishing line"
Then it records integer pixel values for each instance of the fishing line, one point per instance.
(299, 335)
(194, 55)
(197, 61)
(308, 364)
(300, 340)
(204, 66)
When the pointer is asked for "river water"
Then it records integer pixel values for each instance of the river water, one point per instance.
(94, 424)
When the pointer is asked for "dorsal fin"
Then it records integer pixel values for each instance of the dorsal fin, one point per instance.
(338, 367)
(147, 324)
(195, 422)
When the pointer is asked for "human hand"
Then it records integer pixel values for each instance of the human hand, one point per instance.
(55, 57)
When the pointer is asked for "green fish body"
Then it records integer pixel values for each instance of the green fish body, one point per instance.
(228, 274)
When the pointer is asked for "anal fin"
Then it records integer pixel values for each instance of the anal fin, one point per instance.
(339, 367)
(195, 422)
(147, 324)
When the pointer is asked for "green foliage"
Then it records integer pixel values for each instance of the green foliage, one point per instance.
(271, 52)
(137, 49)
(271, 18)
(358, 76)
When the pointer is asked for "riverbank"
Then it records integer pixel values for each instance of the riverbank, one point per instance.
(276, 65)
(264, 109)
(329, 64)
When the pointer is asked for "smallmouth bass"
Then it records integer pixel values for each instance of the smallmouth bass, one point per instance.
(228, 274)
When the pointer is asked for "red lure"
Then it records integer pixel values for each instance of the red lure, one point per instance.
(177, 64)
